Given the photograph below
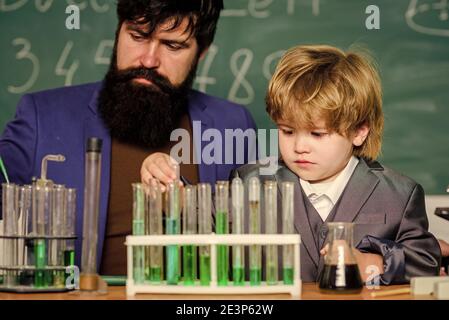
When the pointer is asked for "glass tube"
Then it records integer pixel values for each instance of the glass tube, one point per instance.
(154, 254)
(55, 255)
(238, 257)
(221, 227)
(138, 230)
(255, 251)
(24, 230)
(205, 227)
(287, 228)
(41, 211)
(89, 277)
(172, 226)
(190, 223)
(69, 230)
(271, 265)
(10, 218)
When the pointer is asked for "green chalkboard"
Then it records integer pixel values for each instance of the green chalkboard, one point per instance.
(411, 46)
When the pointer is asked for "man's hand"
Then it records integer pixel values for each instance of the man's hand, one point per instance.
(158, 166)
(364, 262)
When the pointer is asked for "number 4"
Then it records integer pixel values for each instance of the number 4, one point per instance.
(68, 73)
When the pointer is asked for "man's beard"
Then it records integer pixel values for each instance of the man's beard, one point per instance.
(143, 115)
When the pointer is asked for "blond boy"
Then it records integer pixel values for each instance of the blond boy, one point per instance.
(327, 105)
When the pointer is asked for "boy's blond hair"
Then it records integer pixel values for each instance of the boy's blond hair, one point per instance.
(324, 83)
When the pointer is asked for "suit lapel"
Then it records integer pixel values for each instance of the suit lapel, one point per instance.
(359, 188)
(201, 121)
(302, 225)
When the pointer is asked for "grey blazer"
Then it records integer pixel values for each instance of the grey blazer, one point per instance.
(388, 211)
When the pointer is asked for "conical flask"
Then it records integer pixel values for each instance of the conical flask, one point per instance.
(340, 273)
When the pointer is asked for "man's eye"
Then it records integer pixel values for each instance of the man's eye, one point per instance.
(174, 46)
(137, 37)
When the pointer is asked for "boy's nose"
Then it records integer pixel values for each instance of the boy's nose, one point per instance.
(301, 145)
(150, 58)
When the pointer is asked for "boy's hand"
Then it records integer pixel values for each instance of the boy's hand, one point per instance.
(364, 260)
(444, 247)
(158, 166)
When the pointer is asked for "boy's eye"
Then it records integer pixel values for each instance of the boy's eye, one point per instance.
(287, 131)
(318, 134)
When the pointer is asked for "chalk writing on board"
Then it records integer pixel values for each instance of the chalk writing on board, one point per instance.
(417, 8)
(61, 71)
(25, 53)
(261, 8)
(100, 56)
(45, 5)
(240, 71)
(203, 79)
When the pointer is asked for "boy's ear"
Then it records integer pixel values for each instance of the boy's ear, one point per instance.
(360, 135)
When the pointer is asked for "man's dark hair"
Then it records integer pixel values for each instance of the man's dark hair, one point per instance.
(202, 16)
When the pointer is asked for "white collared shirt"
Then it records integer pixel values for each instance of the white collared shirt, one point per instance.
(324, 196)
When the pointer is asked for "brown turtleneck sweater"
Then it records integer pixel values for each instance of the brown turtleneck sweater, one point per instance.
(126, 161)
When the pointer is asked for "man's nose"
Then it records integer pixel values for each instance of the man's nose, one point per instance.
(150, 57)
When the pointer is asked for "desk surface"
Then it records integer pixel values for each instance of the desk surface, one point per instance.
(310, 291)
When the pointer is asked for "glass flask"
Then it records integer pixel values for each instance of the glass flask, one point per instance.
(340, 273)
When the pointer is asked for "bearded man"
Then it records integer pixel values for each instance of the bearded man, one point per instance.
(145, 96)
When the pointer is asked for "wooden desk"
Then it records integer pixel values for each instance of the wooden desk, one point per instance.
(310, 292)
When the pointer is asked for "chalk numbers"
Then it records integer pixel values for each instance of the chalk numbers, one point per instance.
(24, 53)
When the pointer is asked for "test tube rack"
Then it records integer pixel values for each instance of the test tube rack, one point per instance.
(213, 240)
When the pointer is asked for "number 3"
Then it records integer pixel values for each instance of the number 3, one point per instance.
(25, 53)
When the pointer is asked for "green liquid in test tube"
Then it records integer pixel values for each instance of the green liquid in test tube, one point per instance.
(41, 208)
(287, 228)
(189, 227)
(154, 227)
(271, 228)
(238, 257)
(221, 225)
(69, 227)
(255, 251)
(172, 226)
(204, 227)
(138, 230)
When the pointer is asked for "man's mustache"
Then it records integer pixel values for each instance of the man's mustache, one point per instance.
(148, 74)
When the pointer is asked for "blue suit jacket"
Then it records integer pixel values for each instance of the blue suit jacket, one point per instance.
(59, 121)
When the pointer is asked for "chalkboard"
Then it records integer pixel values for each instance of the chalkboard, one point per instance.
(412, 47)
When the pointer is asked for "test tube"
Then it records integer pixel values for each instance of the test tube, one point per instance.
(221, 227)
(238, 257)
(172, 226)
(255, 251)
(89, 276)
(24, 230)
(41, 212)
(57, 230)
(10, 228)
(190, 223)
(154, 227)
(287, 228)
(69, 230)
(271, 266)
(205, 227)
(138, 230)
